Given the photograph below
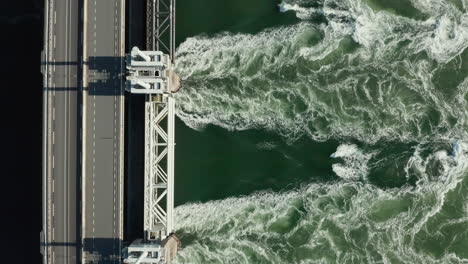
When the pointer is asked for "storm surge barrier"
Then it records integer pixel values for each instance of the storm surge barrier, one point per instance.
(150, 73)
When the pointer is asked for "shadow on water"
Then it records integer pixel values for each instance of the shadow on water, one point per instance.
(134, 166)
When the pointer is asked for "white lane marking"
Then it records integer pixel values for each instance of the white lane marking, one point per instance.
(55, 38)
(53, 114)
(66, 127)
(83, 119)
(94, 136)
(94, 159)
(53, 209)
(53, 137)
(122, 11)
(115, 133)
(53, 161)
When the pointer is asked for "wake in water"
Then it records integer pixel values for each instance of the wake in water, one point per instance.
(344, 222)
(346, 71)
(354, 71)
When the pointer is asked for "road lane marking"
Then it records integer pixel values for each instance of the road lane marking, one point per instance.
(94, 158)
(46, 168)
(84, 127)
(66, 127)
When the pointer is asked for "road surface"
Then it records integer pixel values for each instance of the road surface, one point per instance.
(61, 127)
(103, 108)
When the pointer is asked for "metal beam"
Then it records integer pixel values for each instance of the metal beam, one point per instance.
(159, 166)
(159, 142)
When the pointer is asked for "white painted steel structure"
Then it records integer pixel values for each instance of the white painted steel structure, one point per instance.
(147, 70)
(159, 166)
(159, 126)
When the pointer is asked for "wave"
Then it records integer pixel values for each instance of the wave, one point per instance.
(343, 222)
(348, 70)
(358, 72)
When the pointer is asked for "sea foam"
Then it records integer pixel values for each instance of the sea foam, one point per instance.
(365, 74)
(342, 222)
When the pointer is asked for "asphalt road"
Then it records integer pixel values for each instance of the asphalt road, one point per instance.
(103, 123)
(61, 126)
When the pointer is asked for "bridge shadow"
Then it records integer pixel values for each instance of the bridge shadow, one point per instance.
(102, 250)
(74, 89)
(106, 76)
(60, 244)
(60, 63)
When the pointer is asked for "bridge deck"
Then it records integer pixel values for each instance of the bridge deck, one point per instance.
(103, 131)
(61, 113)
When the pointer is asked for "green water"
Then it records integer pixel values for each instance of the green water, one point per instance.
(322, 131)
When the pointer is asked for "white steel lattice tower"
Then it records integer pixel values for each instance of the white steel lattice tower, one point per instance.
(151, 73)
(159, 166)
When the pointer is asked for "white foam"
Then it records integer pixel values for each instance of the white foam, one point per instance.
(354, 166)
(450, 38)
(345, 150)
(331, 222)
(301, 12)
(281, 80)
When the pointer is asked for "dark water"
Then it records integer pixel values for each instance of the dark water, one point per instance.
(323, 131)
(21, 129)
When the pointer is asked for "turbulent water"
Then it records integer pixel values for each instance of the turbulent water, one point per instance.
(386, 79)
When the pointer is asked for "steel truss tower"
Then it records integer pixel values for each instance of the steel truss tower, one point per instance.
(159, 127)
(159, 166)
(151, 72)
(160, 26)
